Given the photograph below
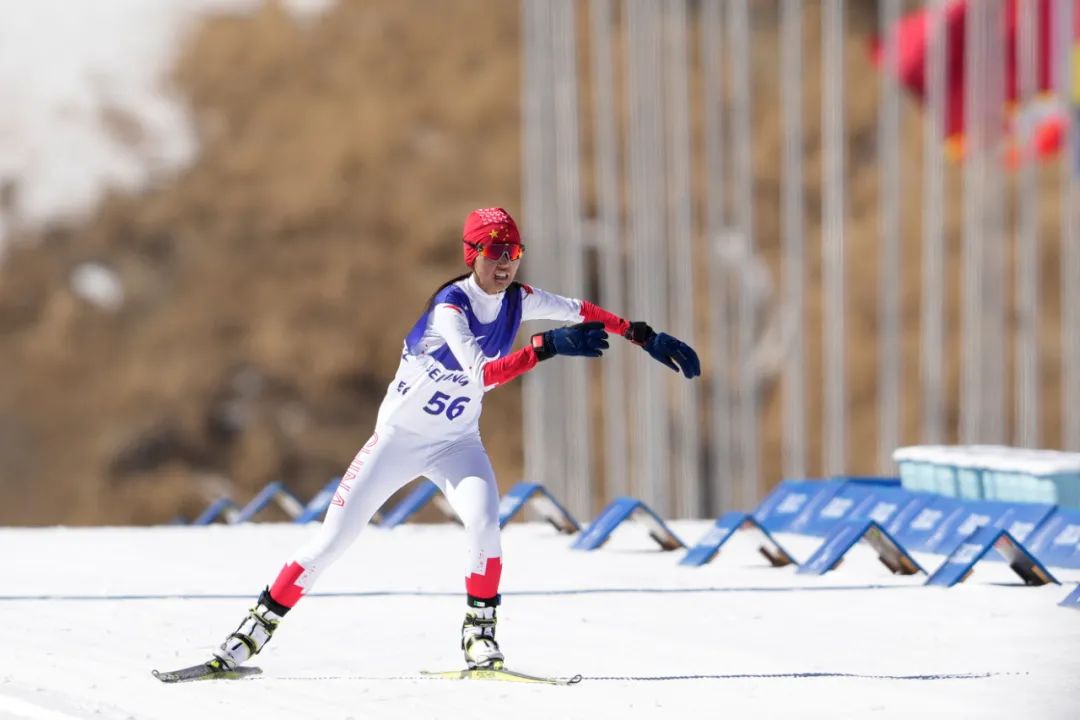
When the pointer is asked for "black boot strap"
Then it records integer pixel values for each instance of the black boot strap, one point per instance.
(471, 640)
(273, 605)
(478, 602)
(247, 641)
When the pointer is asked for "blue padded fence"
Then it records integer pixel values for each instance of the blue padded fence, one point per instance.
(843, 511)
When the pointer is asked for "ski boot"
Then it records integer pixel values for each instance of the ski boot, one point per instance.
(478, 634)
(253, 633)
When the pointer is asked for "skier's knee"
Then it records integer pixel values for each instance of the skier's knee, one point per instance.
(482, 524)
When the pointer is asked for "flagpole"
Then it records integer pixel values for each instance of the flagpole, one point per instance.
(890, 352)
(835, 446)
(685, 442)
(1026, 430)
(577, 456)
(932, 302)
(974, 361)
(794, 268)
(648, 259)
(540, 435)
(612, 282)
(996, 234)
(1070, 242)
(738, 31)
(722, 409)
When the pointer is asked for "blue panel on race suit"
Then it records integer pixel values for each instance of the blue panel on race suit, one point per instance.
(790, 499)
(412, 503)
(839, 507)
(1057, 540)
(496, 338)
(958, 565)
(542, 501)
(618, 510)
(916, 530)
(222, 506)
(317, 505)
(844, 536)
(273, 492)
(1072, 600)
(887, 504)
(726, 526)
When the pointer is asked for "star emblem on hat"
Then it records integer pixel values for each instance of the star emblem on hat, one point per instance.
(494, 234)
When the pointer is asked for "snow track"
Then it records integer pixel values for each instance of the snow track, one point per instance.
(87, 613)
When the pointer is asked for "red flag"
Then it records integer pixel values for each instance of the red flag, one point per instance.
(912, 39)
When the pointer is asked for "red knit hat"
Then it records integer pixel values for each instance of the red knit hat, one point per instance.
(488, 225)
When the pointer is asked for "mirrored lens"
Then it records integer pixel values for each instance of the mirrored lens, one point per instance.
(495, 251)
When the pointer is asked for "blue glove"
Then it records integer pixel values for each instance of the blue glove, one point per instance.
(583, 340)
(665, 348)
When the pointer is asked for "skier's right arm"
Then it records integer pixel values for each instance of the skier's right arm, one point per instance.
(584, 340)
(581, 340)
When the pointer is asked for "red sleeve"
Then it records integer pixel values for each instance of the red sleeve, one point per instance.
(497, 372)
(612, 322)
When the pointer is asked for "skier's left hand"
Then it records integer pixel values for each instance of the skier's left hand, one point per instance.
(665, 348)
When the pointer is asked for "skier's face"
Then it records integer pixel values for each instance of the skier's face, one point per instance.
(494, 276)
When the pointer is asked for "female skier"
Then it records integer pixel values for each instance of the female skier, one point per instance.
(428, 425)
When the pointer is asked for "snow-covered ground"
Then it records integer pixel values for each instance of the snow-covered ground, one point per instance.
(85, 614)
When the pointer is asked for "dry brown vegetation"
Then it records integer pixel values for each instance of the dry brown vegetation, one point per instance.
(269, 285)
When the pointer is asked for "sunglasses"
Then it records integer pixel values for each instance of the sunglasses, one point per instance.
(495, 251)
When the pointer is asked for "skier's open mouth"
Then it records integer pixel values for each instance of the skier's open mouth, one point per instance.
(502, 277)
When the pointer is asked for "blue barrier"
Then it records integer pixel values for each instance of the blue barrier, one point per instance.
(319, 504)
(1073, 599)
(917, 529)
(814, 506)
(820, 518)
(424, 493)
(1057, 541)
(722, 531)
(844, 536)
(790, 499)
(960, 562)
(220, 507)
(1022, 517)
(273, 492)
(973, 515)
(618, 510)
(887, 504)
(542, 501)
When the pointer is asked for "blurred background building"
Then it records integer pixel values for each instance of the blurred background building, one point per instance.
(218, 218)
